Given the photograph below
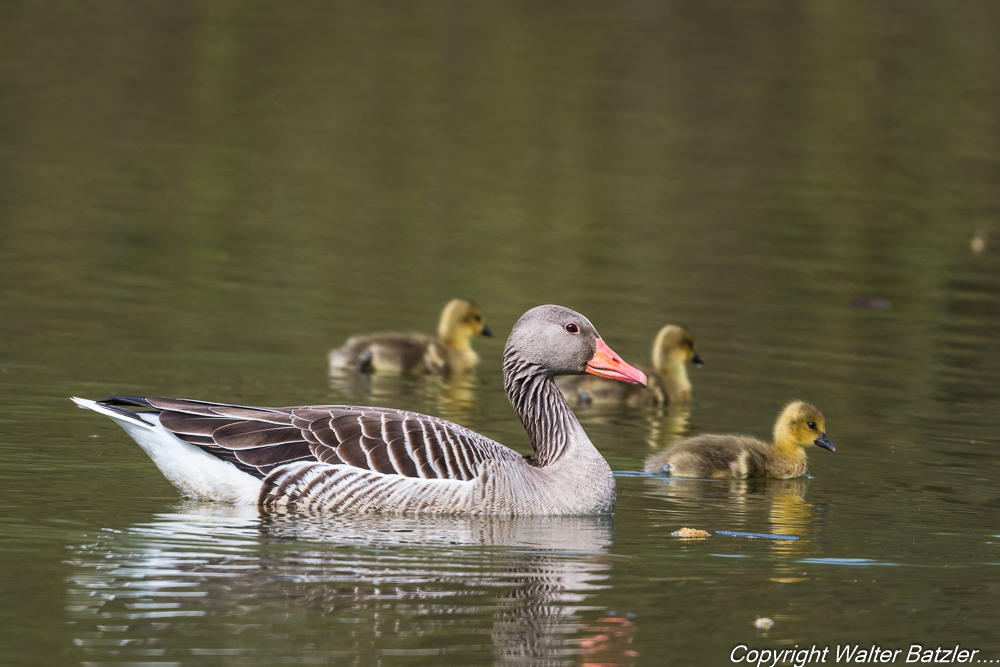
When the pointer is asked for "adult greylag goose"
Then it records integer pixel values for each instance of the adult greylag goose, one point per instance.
(668, 379)
(417, 353)
(740, 456)
(360, 459)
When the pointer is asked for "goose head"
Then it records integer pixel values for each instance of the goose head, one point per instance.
(559, 341)
(461, 320)
(674, 347)
(800, 425)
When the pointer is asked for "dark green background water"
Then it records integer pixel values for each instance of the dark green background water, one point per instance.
(200, 199)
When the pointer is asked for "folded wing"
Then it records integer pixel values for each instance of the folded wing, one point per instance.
(380, 440)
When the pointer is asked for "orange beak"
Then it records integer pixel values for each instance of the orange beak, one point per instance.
(607, 364)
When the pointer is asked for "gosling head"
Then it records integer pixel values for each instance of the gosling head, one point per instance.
(460, 321)
(799, 425)
(674, 347)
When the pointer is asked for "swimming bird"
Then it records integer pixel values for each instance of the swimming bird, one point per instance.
(366, 459)
(417, 353)
(739, 456)
(673, 348)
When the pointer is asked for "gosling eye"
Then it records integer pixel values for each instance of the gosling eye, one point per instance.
(572, 328)
(812, 425)
(477, 318)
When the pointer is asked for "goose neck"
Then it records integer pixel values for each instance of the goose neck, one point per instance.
(551, 425)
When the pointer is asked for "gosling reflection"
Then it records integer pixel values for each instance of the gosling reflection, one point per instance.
(756, 505)
(453, 397)
(668, 425)
(664, 424)
(376, 582)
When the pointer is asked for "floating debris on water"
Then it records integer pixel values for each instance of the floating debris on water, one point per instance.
(764, 623)
(691, 532)
(978, 243)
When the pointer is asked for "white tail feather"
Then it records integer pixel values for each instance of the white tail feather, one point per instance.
(108, 412)
(193, 471)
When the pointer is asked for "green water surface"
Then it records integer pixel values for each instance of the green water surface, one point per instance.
(201, 199)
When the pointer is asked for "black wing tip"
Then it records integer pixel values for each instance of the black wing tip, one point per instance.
(138, 401)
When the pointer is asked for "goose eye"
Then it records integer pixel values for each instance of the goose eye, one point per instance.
(812, 425)
(477, 318)
(572, 328)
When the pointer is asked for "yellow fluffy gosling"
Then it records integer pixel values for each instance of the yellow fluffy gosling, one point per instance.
(739, 456)
(668, 379)
(451, 352)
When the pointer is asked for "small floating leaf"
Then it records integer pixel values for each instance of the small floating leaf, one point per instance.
(691, 532)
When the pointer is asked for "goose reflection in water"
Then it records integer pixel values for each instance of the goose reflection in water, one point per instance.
(212, 580)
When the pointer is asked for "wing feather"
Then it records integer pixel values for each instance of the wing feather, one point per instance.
(181, 422)
(267, 415)
(402, 461)
(324, 435)
(346, 427)
(277, 455)
(419, 453)
(436, 452)
(351, 453)
(253, 434)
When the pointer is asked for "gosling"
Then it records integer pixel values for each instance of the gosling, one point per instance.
(668, 379)
(740, 456)
(415, 353)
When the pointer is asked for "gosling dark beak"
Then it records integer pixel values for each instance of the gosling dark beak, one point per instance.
(824, 442)
(487, 331)
(696, 360)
